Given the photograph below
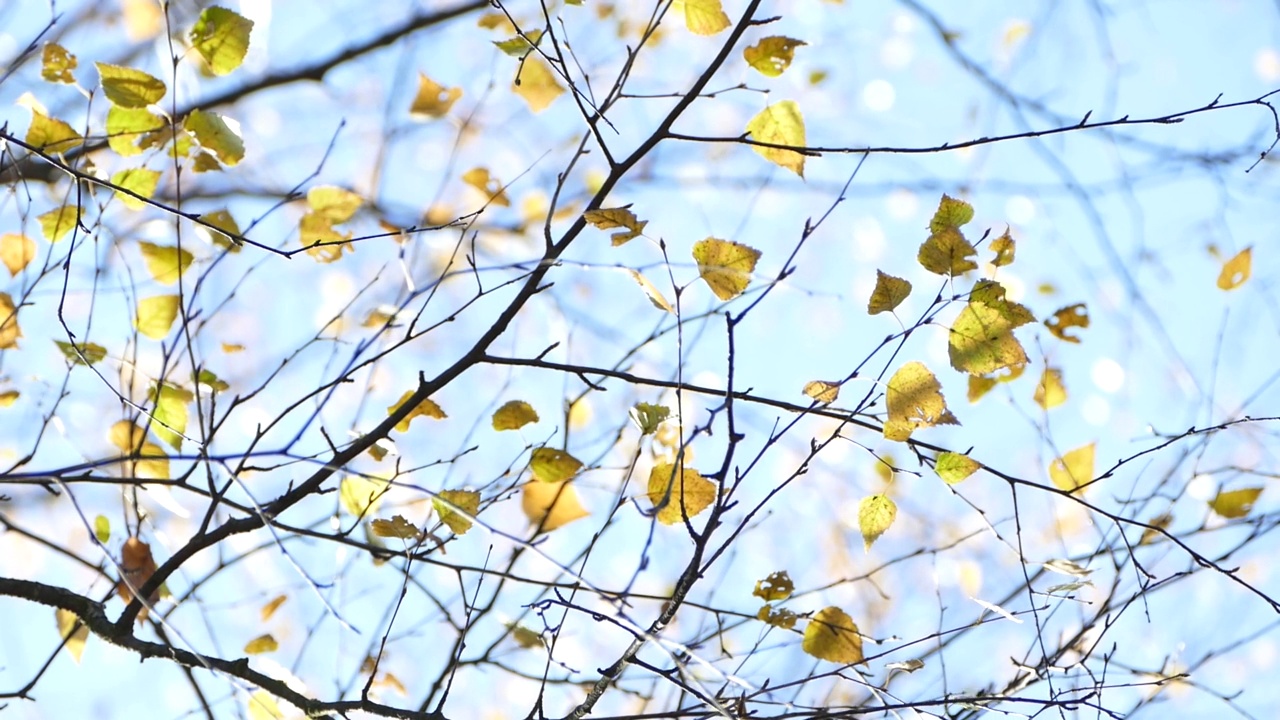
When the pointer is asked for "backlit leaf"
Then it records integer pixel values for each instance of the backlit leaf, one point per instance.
(326, 245)
(704, 17)
(262, 705)
(126, 436)
(137, 565)
(772, 55)
(946, 252)
(141, 182)
(889, 293)
(426, 408)
(725, 266)
(333, 203)
(779, 618)
(170, 413)
(156, 315)
(981, 340)
(1068, 567)
(914, 400)
(127, 127)
(102, 528)
(551, 505)
(86, 354)
(1003, 247)
(525, 637)
(129, 87)
(75, 632)
(951, 213)
(550, 465)
(1050, 392)
(520, 45)
(480, 179)
(954, 467)
(514, 415)
(1235, 503)
(396, 527)
(875, 516)
(50, 134)
(1071, 316)
(9, 397)
(57, 64)
(222, 38)
(215, 135)
(16, 252)
(223, 220)
(56, 223)
(166, 263)
(433, 99)
(648, 417)
(621, 217)
(822, 391)
(1158, 523)
(1074, 469)
(261, 644)
(9, 329)
(778, 586)
(153, 462)
(537, 84)
(780, 124)
(832, 636)
(1236, 270)
(651, 291)
(447, 504)
(677, 495)
(266, 611)
(361, 495)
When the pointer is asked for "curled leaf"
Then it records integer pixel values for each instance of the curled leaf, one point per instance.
(1071, 316)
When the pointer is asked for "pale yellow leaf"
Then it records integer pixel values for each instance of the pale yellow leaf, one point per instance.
(704, 17)
(16, 251)
(954, 467)
(1050, 392)
(361, 495)
(725, 266)
(620, 217)
(651, 291)
(1074, 469)
(480, 179)
(875, 515)
(9, 329)
(156, 314)
(129, 87)
(537, 84)
(822, 390)
(780, 124)
(889, 293)
(551, 505)
(166, 263)
(75, 632)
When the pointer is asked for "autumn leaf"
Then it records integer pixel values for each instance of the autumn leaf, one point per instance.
(492, 189)
(433, 100)
(778, 586)
(9, 329)
(981, 340)
(875, 515)
(170, 413)
(1235, 272)
(677, 495)
(914, 400)
(137, 565)
(270, 608)
(1004, 248)
(537, 84)
(261, 644)
(426, 408)
(448, 503)
(648, 416)
(134, 185)
(1232, 504)
(75, 632)
(102, 529)
(889, 293)
(166, 263)
(50, 134)
(333, 203)
(520, 45)
(128, 87)
(56, 66)
(1074, 469)
(156, 314)
(550, 465)
(1050, 392)
(779, 618)
(361, 495)
(951, 213)
(947, 252)
(954, 467)
(1071, 316)
(704, 17)
(396, 527)
(215, 135)
(56, 223)
(620, 217)
(725, 266)
(780, 124)
(551, 505)
(222, 38)
(831, 635)
(652, 292)
(514, 415)
(772, 55)
(16, 251)
(823, 391)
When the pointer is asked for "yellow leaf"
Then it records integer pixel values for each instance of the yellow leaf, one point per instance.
(9, 397)
(649, 416)
(316, 233)
(222, 220)
(215, 135)
(141, 182)
(780, 124)
(426, 408)
(1235, 503)
(779, 618)
(621, 217)
(142, 19)
(551, 505)
(889, 293)
(396, 527)
(832, 636)
(156, 315)
(651, 291)
(152, 463)
(778, 586)
(550, 465)
(127, 436)
(335, 204)
(1236, 270)
(981, 340)
(165, 262)
(493, 20)
(480, 179)
(128, 87)
(433, 99)
(677, 495)
(1074, 469)
(222, 38)
(75, 632)
(822, 391)
(772, 55)
(230, 348)
(525, 637)
(170, 413)
(725, 266)
(261, 644)
(951, 213)
(57, 64)
(1003, 247)
(875, 516)
(102, 529)
(449, 502)
(50, 134)
(56, 223)
(16, 251)
(954, 467)
(946, 252)
(128, 128)
(9, 330)
(263, 706)
(1157, 523)
(270, 608)
(704, 17)
(1066, 318)
(537, 84)
(514, 415)
(1050, 392)
(914, 400)
(361, 495)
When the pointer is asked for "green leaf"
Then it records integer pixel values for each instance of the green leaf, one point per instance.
(166, 263)
(222, 38)
(102, 528)
(127, 126)
(518, 46)
(141, 181)
(129, 87)
(954, 467)
(213, 134)
(648, 417)
(88, 354)
(875, 516)
(780, 124)
(212, 381)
